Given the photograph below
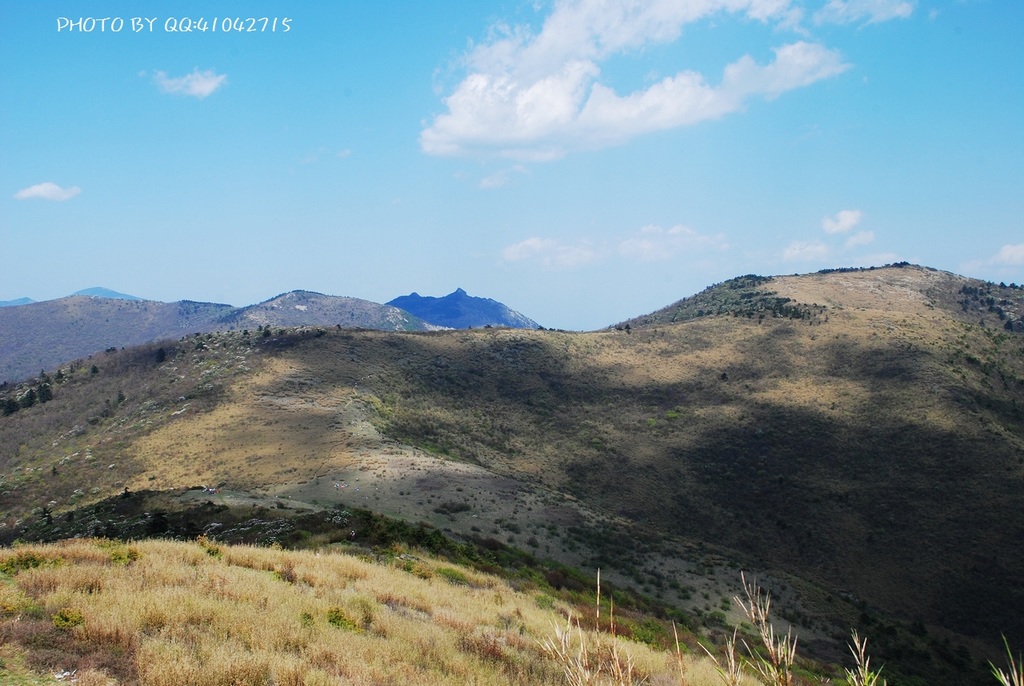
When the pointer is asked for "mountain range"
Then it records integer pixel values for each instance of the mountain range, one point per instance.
(854, 438)
(38, 335)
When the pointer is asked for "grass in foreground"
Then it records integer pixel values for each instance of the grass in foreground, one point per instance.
(161, 613)
(102, 613)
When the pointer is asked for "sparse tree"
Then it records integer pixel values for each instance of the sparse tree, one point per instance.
(28, 399)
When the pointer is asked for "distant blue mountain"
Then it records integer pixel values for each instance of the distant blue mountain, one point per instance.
(460, 310)
(100, 292)
(15, 303)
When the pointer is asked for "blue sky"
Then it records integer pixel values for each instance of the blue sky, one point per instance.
(581, 161)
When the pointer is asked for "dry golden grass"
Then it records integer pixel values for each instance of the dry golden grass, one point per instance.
(258, 436)
(176, 613)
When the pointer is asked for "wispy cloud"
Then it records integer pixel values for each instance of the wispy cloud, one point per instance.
(552, 253)
(842, 222)
(538, 96)
(860, 238)
(880, 258)
(1005, 263)
(1010, 255)
(323, 153)
(47, 191)
(648, 244)
(655, 243)
(198, 84)
(501, 177)
(866, 11)
(805, 251)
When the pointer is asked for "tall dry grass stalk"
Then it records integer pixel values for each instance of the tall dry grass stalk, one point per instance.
(862, 674)
(573, 654)
(730, 667)
(774, 667)
(1015, 677)
(586, 660)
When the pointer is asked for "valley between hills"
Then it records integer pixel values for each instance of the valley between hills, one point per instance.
(854, 438)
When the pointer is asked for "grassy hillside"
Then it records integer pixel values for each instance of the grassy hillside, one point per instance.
(856, 437)
(875, 446)
(160, 612)
(101, 612)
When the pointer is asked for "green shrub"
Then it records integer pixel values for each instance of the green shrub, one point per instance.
(649, 631)
(26, 560)
(336, 617)
(453, 576)
(68, 618)
(545, 602)
(124, 555)
(452, 507)
(211, 548)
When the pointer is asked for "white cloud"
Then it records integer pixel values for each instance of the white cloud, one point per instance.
(198, 84)
(686, 98)
(495, 180)
(842, 222)
(501, 177)
(868, 11)
(552, 253)
(805, 251)
(537, 97)
(47, 191)
(323, 152)
(654, 243)
(1010, 254)
(860, 238)
(882, 258)
(311, 157)
(1009, 257)
(647, 244)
